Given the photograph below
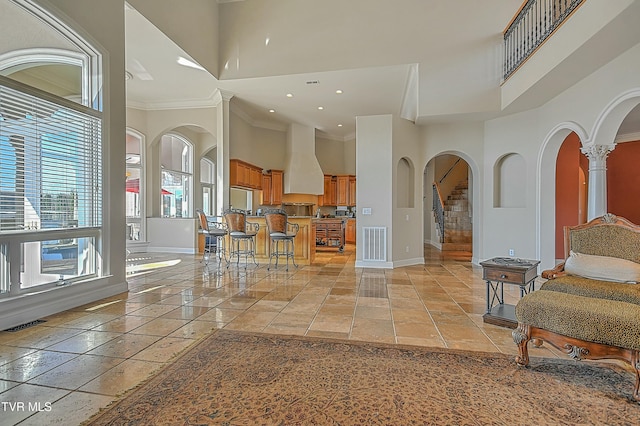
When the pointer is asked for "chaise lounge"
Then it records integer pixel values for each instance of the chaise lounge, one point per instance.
(590, 306)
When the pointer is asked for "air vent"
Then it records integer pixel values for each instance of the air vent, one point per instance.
(313, 82)
(23, 326)
(374, 240)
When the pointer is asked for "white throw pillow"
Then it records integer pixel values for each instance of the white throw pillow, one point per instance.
(602, 268)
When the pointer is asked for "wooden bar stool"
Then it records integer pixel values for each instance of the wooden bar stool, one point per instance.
(243, 236)
(281, 232)
(214, 232)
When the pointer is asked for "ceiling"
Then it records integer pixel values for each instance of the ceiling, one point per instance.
(371, 60)
(425, 60)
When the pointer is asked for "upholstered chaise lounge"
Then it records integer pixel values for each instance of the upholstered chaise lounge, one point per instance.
(590, 306)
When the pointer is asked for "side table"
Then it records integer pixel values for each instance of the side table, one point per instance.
(498, 271)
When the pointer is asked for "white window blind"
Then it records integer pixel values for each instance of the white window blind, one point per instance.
(50, 161)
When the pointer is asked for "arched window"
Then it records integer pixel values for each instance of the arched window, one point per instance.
(176, 162)
(51, 151)
(208, 184)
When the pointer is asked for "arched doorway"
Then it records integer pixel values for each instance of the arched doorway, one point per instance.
(448, 206)
(571, 189)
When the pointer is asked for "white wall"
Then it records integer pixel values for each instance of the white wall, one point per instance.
(374, 185)
(510, 227)
(589, 108)
(350, 157)
(259, 146)
(172, 235)
(336, 157)
(430, 235)
(466, 140)
(407, 241)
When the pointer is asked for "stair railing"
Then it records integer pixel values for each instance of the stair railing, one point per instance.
(533, 24)
(449, 171)
(438, 209)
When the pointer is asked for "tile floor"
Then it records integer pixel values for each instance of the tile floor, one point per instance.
(67, 368)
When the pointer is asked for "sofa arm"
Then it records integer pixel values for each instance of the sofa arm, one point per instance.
(556, 272)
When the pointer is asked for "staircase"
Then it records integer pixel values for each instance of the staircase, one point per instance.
(457, 220)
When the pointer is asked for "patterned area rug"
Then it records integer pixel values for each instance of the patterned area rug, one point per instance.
(234, 378)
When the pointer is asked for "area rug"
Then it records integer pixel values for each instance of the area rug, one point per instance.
(235, 378)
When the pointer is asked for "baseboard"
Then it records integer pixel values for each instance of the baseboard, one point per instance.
(137, 246)
(408, 262)
(435, 244)
(30, 307)
(373, 264)
(180, 250)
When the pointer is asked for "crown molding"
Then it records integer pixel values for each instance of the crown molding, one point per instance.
(209, 102)
(628, 137)
(324, 135)
(269, 125)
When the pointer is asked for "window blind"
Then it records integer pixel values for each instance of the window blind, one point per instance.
(50, 162)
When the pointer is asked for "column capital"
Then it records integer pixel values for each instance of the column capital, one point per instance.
(597, 153)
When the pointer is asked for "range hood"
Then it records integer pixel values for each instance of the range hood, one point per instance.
(302, 174)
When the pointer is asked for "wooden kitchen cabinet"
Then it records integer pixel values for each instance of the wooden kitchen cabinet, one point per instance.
(342, 190)
(325, 198)
(333, 192)
(338, 191)
(265, 197)
(277, 186)
(350, 231)
(256, 177)
(352, 191)
(244, 175)
(272, 188)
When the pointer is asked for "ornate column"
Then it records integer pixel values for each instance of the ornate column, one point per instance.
(222, 149)
(597, 199)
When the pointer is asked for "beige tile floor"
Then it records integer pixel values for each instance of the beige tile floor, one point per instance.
(67, 368)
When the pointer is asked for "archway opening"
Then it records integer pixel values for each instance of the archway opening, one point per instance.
(448, 206)
(571, 189)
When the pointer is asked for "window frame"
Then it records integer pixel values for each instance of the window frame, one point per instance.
(189, 159)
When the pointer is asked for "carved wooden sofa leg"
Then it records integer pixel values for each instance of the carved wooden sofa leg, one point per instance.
(521, 337)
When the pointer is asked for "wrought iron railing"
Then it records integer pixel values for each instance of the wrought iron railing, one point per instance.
(533, 24)
(438, 210)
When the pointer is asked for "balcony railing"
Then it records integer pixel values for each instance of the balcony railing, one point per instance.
(534, 23)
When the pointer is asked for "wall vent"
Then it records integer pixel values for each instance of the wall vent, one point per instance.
(374, 243)
(26, 325)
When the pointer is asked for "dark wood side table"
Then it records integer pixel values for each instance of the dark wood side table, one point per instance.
(498, 271)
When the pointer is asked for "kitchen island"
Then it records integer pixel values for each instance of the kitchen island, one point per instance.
(329, 233)
(304, 241)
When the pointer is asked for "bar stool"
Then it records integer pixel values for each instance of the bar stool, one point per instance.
(214, 232)
(243, 236)
(281, 231)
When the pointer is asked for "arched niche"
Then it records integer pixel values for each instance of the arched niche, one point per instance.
(405, 194)
(509, 181)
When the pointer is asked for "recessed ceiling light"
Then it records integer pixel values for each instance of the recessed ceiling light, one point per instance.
(339, 92)
(321, 108)
(289, 95)
(266, 41)
(339, 125)
(272, 110)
